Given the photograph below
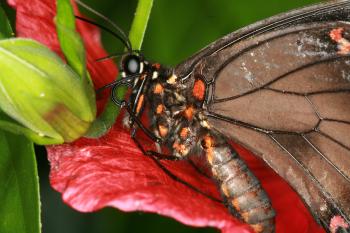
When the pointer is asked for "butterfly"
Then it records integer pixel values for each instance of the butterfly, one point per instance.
(279, 87)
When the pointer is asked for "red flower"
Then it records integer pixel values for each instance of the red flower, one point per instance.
(111, 171)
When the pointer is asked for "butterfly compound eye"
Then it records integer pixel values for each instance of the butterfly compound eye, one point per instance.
(132, 64)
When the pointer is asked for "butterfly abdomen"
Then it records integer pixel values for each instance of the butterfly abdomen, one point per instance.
(239, 186)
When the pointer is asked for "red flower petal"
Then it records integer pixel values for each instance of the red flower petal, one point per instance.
(111, 171)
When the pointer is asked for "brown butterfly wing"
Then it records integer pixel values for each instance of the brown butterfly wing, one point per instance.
(281, 88)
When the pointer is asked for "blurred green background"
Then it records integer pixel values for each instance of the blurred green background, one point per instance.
(176, 30)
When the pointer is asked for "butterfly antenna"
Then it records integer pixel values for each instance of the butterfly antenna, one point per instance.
(121, 36)
(111, 56)
(125, 42)
(114, 55)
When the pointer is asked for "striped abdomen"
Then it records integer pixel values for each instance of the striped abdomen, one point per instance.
(239, 186)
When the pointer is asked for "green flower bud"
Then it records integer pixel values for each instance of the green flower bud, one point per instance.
(42, 93)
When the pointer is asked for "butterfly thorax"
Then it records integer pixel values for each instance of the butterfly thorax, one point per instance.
(176, 113)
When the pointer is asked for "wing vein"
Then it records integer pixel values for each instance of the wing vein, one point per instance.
(326, 158)
(327, 59)
(334, 140)
(314, 180)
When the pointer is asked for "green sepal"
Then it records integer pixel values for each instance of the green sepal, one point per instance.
(42, 93)
(10, 125)
(104, 121)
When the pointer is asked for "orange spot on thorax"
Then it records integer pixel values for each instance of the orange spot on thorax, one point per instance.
(208, 142)
(198, 90)
(179, 147)
(158, 89)
(160, 109)
(184, 133)
(156, 66)
(188, 113)
(163, 130)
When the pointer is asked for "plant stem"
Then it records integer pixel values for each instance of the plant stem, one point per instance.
(139, 24)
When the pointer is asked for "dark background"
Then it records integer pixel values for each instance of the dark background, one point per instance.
(176, 30)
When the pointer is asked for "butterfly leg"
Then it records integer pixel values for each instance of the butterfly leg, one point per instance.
(157, 155)
(239, 186)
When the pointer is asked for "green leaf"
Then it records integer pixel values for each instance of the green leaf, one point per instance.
(19, 186)
(105, 121)
(70, 41)
(5, 26)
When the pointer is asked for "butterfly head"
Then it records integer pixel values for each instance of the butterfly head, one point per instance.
(132, 64)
